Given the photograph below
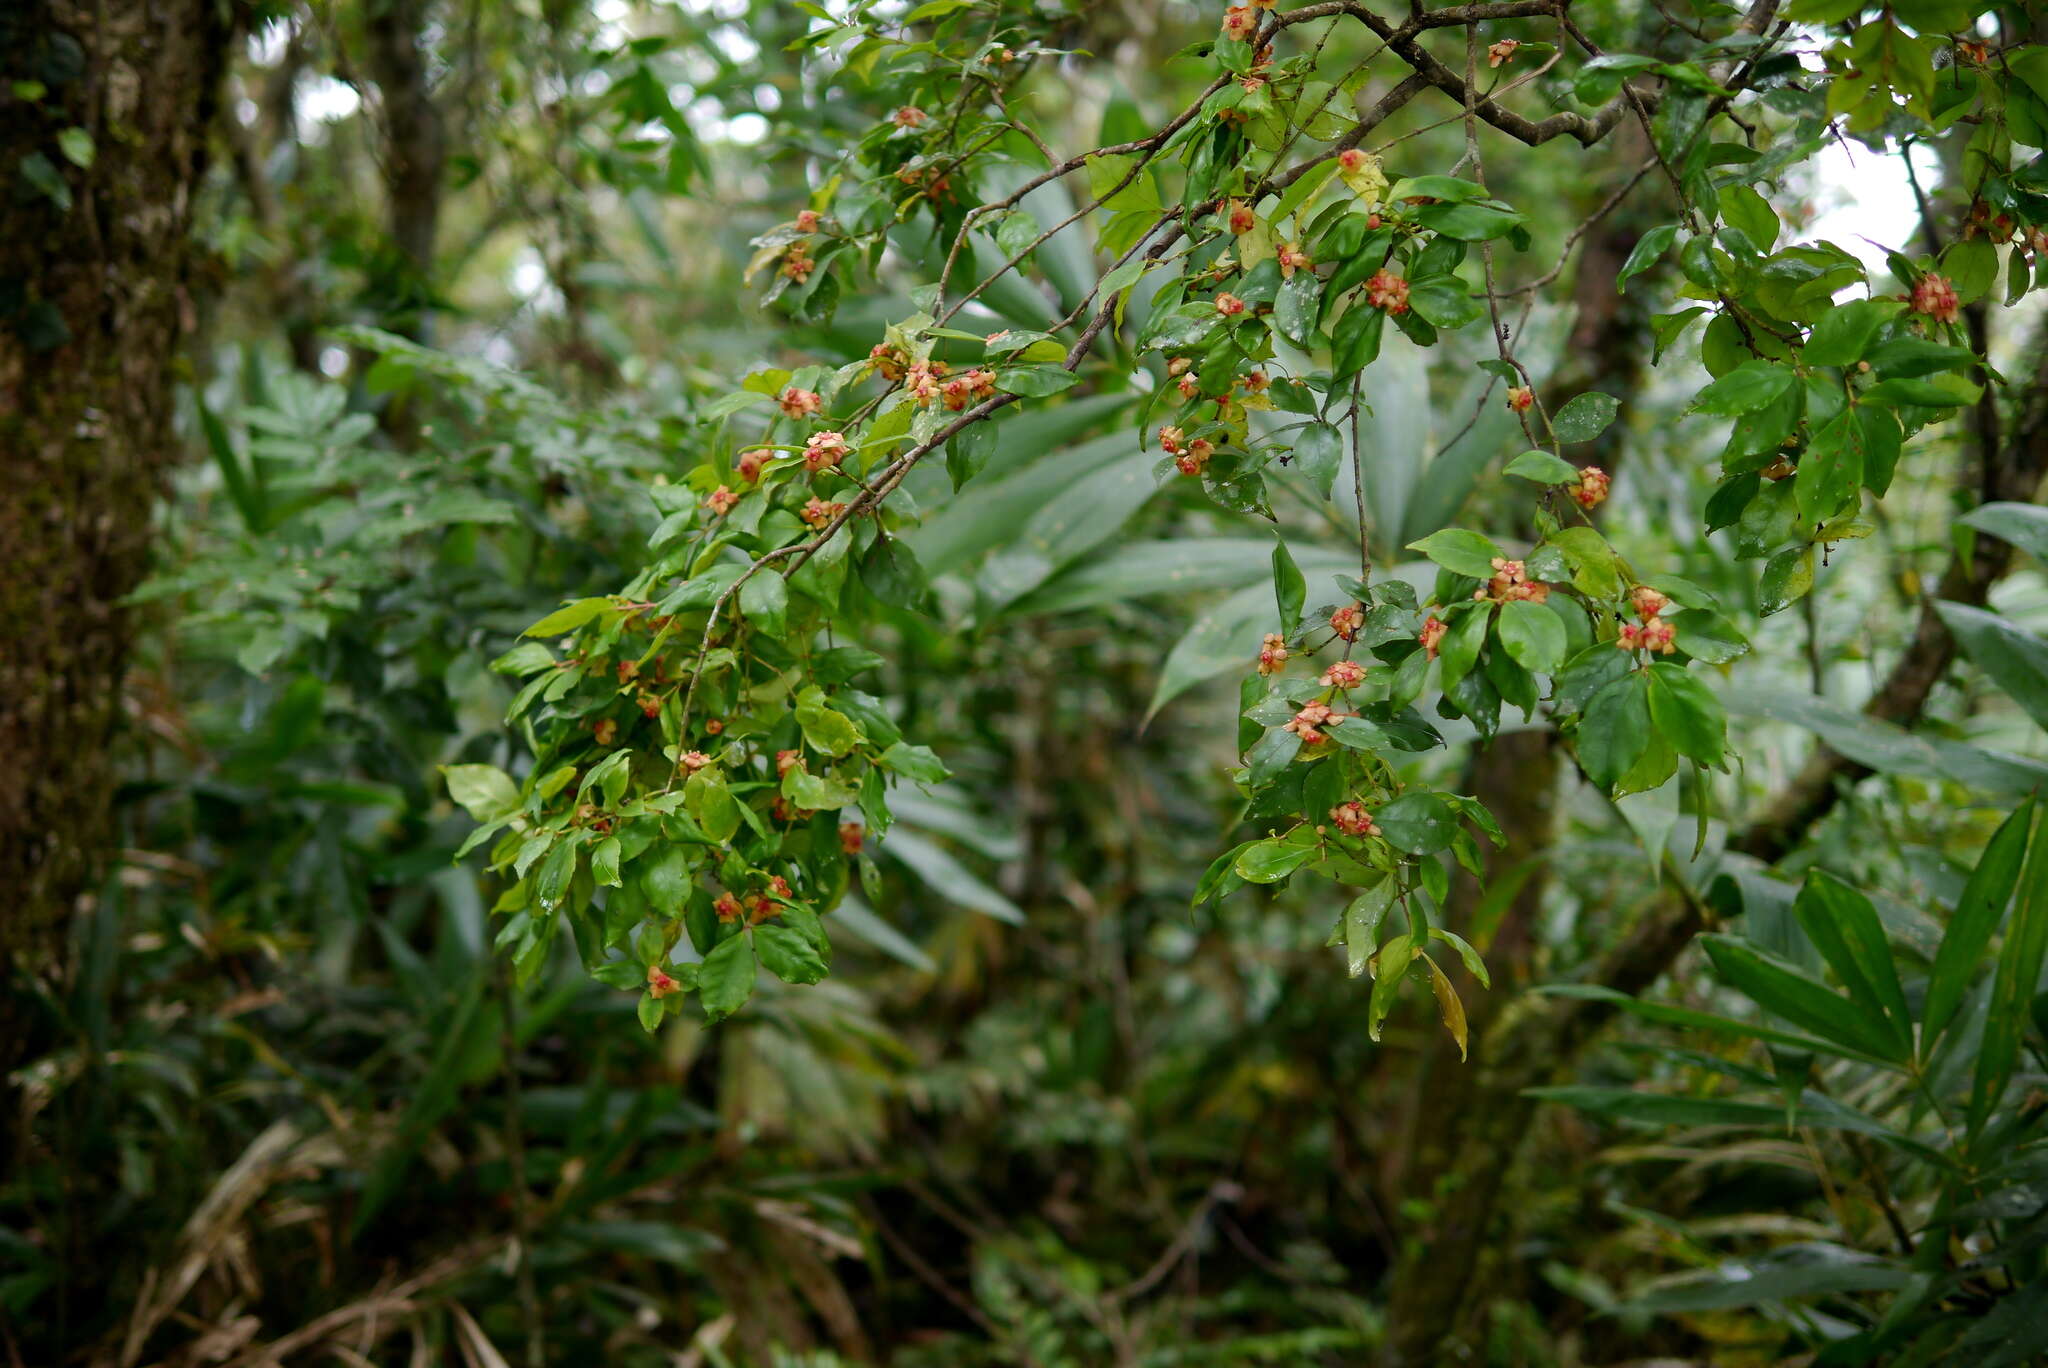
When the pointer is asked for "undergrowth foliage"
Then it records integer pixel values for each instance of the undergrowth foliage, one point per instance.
(708, 769)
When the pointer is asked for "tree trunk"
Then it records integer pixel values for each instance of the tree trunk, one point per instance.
(95, 265)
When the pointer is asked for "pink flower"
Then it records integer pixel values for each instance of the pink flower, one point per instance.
(659, 984)
(1240, 23)
(1501, 52)
(1647, 601)
(1658, 636)
(824, 449)
(1385, 290)
(1353, 820)
(799, 403)
(1292, 259)
(1229, 305)
(721, 501)
(1591, 490)
(1346, 621)
(1433, 629)
(1242, 219)
(1521, 399)
(807, 221)
(748, 466)
(910, 116)
(1935, 296)
(818, 512)
(1272, 654)
(1344, 674)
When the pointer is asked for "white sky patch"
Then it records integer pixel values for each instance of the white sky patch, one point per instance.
(1865, 201)
(326, 100)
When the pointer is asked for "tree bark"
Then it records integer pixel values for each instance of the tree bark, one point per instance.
(94, 298)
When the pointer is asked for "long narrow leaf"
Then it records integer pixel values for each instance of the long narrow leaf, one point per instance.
(1970, 928)
(1845, 928)
(1779, 988)
(2012, 988)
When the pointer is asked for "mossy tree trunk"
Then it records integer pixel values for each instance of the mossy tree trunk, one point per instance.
(103, 112)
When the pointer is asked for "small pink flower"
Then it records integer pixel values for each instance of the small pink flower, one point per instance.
(1629, 638)
(799, 403)
(824, 449)
(1501, 52)
(1170, 440)
(1242, 219)
(1307, 724)
(1591, 490)
(910, 116)
(1272, 654)
(1385, 290)
(1351, 161)
(1195, 459)
(851, 835)
(721, 501)
(1346, 621)
(659, 984)
(818, 512)
(1344, 674)
(1353, 820)
(1292, 259)
(1935, 296)
(889, 361)
(1240, 23)
(1659, 636)
(807, 221)
(1521, 399)
(748, 466)
(1433, 629)
(694, 760)
(1647, 601)
(1229, 305)
(787, 760)
(727, 907)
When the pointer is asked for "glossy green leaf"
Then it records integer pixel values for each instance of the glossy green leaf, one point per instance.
(1978, 911)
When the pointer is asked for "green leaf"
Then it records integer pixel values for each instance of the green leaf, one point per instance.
(787, 955)
(1970, 927)
(1034, 382)
(1319, 452)
(1459, 551)
(1467, 222)
(1419, 823)
(1444, 301)
(917, 763)
(1271, 754)
(1845, 928)
(1543, 468)
(814, 793)
(831, 732)
(1779, 988)
(1831, 470)
(2007, 1016)
(1686, 713)
(1786, 579)
(1744, 390)
(486, 791)
(568, 619)
(1357, 341)
(726, 979)
(1298, 307)
(1362, 919)
(711, 804)
(968, 452)
(1533, 635)
(2023, 525)
(77, 147)
(1265, 862)
(764, 601)
(1649, 249)
(1585, 416)
(1844, 333)
(1614, 729)
(1743, 208)
(1290, 590)
(2017, 661)
(1474, 965)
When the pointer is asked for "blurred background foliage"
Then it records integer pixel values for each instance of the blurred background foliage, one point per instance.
(477, 267)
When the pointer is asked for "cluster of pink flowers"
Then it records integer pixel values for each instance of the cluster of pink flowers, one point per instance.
(1501, 52)
(1654, 634)
(1308, 724)
(748, 466)
(1272, 654)
(1346, 621)
(1591, 490)
(799, 403)
(721, 501)
(1344, 674)
(1935, 296)
(818, 512)
(1432, 634)
(1511, 582)
(824, 449)
(1353, 820)
(1385, 290)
